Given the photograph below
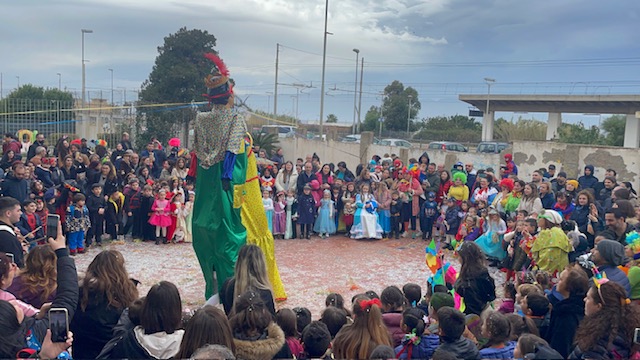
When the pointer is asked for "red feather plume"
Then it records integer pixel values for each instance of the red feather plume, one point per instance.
(219, 63)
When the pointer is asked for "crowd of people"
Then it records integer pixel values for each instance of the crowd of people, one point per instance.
(569, 248)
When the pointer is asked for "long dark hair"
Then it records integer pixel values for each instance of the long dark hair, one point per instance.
(107, 278)
(12, 333)
(162, 309)
(472, 260)
(208, 326)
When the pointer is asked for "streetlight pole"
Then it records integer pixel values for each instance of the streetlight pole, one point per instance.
(269, 93)
(18, 77)
(355, 92)
(324, 64)
(489, 81)
(409, 115)
(111, 71)
(84, 31)
(59, 81)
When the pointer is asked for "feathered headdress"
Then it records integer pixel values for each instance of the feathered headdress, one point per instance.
(220, 88)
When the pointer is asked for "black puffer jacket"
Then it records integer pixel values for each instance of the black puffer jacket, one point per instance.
(463, 348)
(477, 292)
(619, 349)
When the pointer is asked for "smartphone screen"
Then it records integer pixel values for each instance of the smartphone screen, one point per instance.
(52, 225)
(11, 257)
(59, 324)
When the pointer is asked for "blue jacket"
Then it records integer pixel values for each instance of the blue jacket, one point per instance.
(424, 350)
(617, 276)
(44, 175)
(451, 216)
(429, 210)
(24, 227)
(502, 353)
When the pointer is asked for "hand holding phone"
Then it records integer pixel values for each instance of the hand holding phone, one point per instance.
(58, 324)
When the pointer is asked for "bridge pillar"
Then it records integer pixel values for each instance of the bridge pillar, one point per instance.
(555, 119)
(487, 126)
(632, 131)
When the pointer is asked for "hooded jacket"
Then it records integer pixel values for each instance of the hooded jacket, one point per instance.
(392, 321)
(138, 345)
(566, 315)
(424, 350)
(588, 181)
(270, 345)
(619, 349)
(505, 352)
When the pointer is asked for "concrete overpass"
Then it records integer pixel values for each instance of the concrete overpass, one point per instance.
(555, 105)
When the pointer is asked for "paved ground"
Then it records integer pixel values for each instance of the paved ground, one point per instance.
(310, 269)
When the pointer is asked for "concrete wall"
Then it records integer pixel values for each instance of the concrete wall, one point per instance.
(528, 156)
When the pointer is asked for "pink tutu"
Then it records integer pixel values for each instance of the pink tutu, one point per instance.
(160, 220)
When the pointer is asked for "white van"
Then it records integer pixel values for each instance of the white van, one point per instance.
(283, 131)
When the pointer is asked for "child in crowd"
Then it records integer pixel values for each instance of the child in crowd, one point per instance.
(78, 223)
(306, 212)
(469, 230)
(564, 205)
(412, 294)
(316, 340)
(160, 218)
(428, 214)
(392, 304)
(491, 241)
(267, 180)
(30, 224)
(508, 303)
(325, 225)
(96, 205)
(292, 209)
(286, 319)
(279, 215)
(113, 214)
(496, 329)
(132, 194)
(415, 343)
(267, 203)
(536, 307)
(384, 205)
(177, 213)
(451, 221)
(395, 209)
(336, 300)
(335, 319)
(188, 217)
(366, 217)
(452, 326)
(42, 212)
(146, 203)
(349, 203)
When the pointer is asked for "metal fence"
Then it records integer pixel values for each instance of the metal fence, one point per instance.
(25, 116)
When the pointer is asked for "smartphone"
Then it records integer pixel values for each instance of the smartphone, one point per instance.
(11, 257)
(636, 336)
(52, 225)
(58, 324)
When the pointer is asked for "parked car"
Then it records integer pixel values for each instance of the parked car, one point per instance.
(395, 142)
(491, 147)
(447, 146)
(283, 131)
(351, 139)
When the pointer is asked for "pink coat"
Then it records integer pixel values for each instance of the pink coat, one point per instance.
(417, 191)
(27, 309)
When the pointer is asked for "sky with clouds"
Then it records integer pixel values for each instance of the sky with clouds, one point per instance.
(440, 47)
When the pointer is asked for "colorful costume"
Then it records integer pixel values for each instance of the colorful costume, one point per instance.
(550, 250)
(254, 220)
(221, 165)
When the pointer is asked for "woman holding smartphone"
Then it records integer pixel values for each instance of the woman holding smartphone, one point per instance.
(15, 327)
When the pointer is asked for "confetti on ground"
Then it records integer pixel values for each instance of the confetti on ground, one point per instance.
(310, 269)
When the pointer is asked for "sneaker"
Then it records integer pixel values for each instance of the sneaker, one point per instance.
(419, 233)
(72, 252)
(81, 251)
(405, 234)
(308, 237)
(397, 236)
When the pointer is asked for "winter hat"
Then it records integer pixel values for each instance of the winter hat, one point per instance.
(49, 194)
(573, 183)
(552, 216)
(562, 174)
(219, 88)
(611, 251)
(439, 300)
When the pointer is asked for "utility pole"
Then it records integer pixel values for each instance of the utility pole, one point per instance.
(355, 93)
(59, 81)
(360, 100)
(84, 31)
(324, 64)
(275, 91)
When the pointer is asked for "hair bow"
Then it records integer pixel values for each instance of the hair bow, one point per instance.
(366, 304)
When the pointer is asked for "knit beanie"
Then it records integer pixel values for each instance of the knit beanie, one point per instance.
(439, 300)
(573, 182)
(611, 251)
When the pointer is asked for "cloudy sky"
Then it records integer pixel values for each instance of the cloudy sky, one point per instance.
(440, 47)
